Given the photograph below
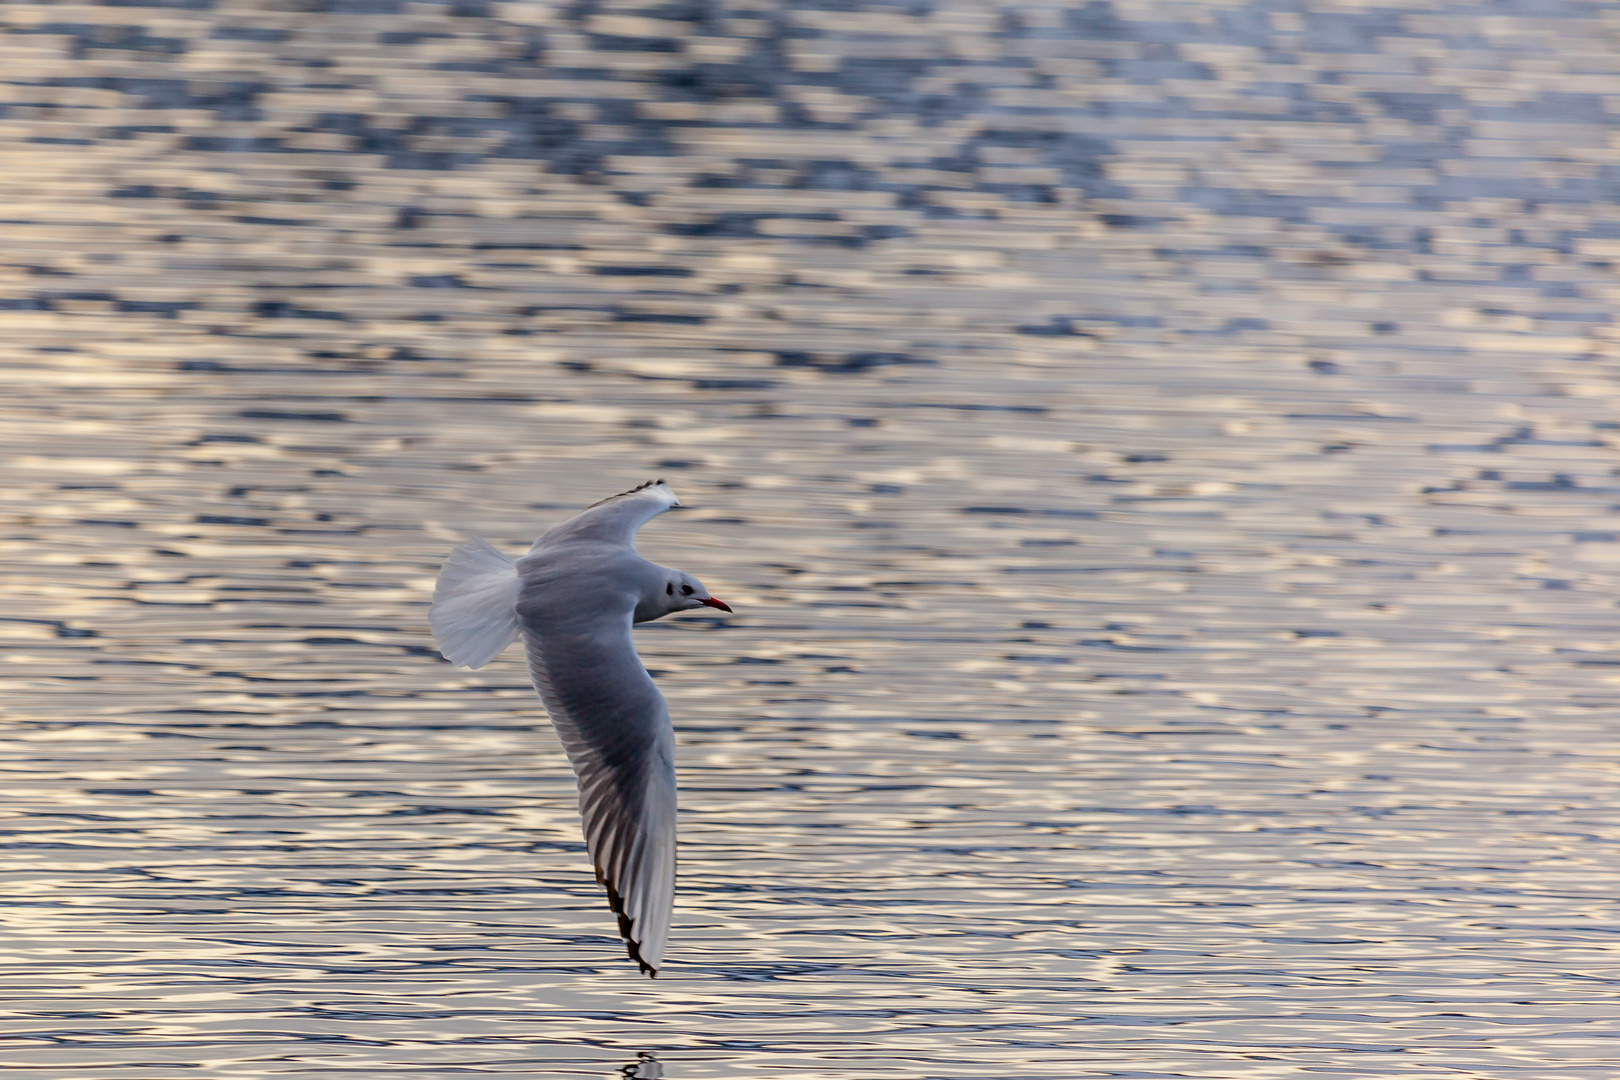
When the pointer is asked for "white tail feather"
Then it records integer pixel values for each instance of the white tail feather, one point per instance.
(474, 613)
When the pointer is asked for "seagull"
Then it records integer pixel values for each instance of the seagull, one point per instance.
(573, 598)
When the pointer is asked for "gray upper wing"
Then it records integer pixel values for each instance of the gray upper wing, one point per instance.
(615, 727)
(614, 520)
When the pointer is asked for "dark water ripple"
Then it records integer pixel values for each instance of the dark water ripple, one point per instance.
(1161, 456)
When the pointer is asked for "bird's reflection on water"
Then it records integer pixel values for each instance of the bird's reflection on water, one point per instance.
(645, 1067)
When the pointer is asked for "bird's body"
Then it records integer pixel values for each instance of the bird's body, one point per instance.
(573, 598)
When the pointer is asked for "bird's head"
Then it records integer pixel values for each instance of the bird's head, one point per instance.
(683, 592)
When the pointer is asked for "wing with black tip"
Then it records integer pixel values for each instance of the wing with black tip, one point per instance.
(614, 520)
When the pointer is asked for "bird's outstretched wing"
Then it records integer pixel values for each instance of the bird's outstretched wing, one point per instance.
(614, 520)
(615, 727)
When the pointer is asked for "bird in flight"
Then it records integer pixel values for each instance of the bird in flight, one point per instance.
(573, 599)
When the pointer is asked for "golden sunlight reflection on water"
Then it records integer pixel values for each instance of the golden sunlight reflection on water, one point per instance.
(1161, 456)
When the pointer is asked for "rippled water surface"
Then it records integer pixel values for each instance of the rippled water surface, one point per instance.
(1162, 455)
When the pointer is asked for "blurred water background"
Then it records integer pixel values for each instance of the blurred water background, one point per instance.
(1162, 455)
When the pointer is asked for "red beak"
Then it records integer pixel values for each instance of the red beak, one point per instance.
(712, 602)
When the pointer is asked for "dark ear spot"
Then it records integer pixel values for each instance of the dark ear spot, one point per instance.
(669, 590)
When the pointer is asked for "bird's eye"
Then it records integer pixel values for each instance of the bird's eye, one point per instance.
(669, 590)
(686, 590)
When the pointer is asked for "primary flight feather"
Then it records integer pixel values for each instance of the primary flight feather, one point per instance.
(574, 598)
